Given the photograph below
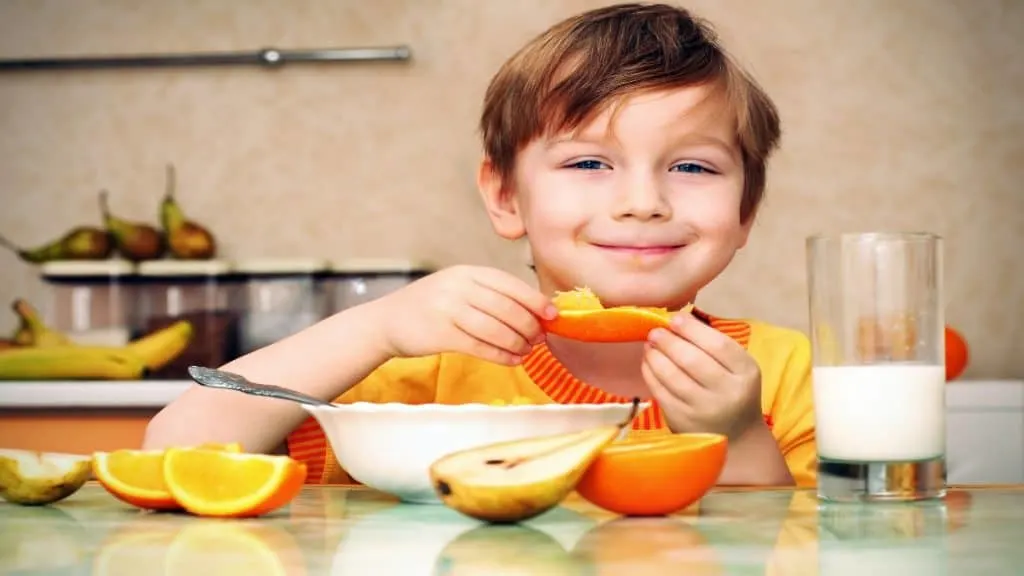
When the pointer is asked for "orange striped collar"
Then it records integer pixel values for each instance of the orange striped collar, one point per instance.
(561, 386)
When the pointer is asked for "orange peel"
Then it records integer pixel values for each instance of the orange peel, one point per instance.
(581, 316)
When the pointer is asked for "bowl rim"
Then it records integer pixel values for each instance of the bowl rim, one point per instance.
(363, 406)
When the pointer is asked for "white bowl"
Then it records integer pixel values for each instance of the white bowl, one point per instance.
(390, 446)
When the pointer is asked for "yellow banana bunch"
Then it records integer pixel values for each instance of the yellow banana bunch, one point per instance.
(70, 363)
(38, 352)
(159, 348)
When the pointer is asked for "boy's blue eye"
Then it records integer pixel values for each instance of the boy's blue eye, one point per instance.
(588, 165)
(689, 168)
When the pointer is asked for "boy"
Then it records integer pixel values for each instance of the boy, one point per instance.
(630, 151)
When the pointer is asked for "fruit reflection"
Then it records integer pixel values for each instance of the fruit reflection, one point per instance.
(47, 538)
(214, 546)
(510, 550)
(639, 545)
(137, 545)
(172, 545)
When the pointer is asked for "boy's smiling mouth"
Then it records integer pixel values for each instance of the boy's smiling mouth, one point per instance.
(640, 249)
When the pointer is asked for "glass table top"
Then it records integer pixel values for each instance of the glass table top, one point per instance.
(346, 530)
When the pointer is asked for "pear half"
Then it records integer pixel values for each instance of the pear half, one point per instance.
(513, 481)
(36, 478)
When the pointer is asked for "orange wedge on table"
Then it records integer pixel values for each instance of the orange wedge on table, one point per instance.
(581, 316)
(654, 476)
(225, 484)
(136, 477)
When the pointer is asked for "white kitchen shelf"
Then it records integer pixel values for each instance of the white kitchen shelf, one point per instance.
(90, 394)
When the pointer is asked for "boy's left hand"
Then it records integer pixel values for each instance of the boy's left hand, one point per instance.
(703, 379)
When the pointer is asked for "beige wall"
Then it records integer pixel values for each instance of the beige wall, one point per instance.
(897, 115)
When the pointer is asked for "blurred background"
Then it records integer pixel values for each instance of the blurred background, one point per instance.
(897, 115)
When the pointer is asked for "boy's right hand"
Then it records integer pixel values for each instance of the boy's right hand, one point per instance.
(478, 311)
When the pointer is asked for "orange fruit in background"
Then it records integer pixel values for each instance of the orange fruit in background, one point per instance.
(957, 354)
(224, 484)
(137, 478)
(581, 316)
(654, 476)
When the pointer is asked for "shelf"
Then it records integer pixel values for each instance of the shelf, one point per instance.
(44, 394)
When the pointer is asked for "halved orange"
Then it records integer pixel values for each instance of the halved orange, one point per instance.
(224, 484)
(654, 476)
(137, 478)
(581, 316)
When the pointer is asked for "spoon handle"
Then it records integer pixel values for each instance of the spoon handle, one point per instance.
(213, 378)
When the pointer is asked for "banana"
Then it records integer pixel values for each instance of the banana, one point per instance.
(33, 331)
(70, 363)
(160, 347)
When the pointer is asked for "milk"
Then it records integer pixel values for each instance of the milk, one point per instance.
(880, 413)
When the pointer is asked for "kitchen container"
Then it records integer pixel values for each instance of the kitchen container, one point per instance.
(279, 297)
(89, 301)
(355, 282)
(204, 292)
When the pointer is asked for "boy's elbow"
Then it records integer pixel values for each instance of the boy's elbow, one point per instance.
(158, 433)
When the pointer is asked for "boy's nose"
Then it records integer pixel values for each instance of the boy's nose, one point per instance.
(642, 201)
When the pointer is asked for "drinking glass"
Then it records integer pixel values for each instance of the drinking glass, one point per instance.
(878, 348)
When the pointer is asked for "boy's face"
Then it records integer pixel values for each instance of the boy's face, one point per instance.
(642, 208)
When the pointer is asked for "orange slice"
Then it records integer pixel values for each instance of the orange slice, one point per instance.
(581, 316)
(654, 476)
(216, 483)
(136, 476)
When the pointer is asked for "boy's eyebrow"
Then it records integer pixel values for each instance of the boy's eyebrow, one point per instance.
(707, 140)
(690, 138)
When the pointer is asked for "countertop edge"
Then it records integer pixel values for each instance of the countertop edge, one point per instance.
(90, 394)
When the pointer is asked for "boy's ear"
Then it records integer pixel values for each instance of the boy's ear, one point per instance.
(500, 201)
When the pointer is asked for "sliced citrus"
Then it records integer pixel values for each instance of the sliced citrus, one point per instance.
(581, 316)
(216, 483)
(136, 476)
(654, 476)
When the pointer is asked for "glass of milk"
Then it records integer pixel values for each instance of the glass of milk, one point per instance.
(878, 365)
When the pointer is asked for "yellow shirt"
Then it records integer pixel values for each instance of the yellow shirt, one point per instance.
(783, 355)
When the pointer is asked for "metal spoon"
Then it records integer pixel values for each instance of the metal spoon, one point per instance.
(213, 378)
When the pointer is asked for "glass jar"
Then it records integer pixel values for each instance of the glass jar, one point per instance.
(89, 301)
(355, 282)
(279, 298)
(204, 292)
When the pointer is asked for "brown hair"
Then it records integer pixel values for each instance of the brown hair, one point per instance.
(568, 74)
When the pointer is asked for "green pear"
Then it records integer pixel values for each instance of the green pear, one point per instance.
(35, 478)
(186, 239)
(80, 243)
(136, 241)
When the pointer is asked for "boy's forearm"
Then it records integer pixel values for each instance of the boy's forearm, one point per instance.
(324, 360)
(755, 460)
